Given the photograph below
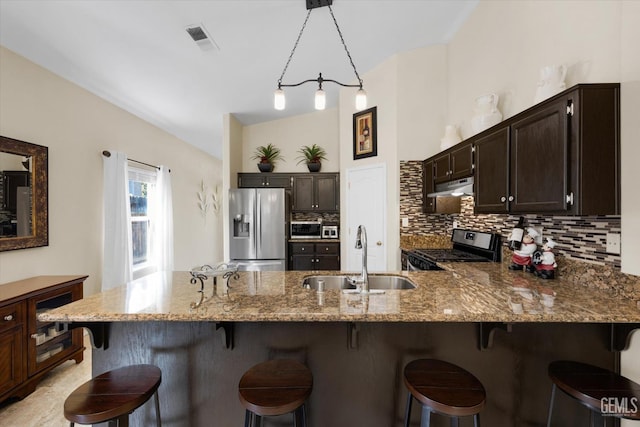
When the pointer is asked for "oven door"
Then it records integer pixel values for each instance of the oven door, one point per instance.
(419, 264)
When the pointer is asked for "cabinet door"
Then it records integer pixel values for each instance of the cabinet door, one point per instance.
(11, 361)
(250, 180)
(491, 187)
(539, 159)
(461, 161)
(303, 194)
(303, 262)
(441, 168)
(428, 203)
(327, 262)
(326, 192)
(278, 181)
(12, 370)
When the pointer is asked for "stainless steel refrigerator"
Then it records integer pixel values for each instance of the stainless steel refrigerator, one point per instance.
(258, 228)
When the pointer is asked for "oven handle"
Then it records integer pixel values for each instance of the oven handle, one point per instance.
(412, 267)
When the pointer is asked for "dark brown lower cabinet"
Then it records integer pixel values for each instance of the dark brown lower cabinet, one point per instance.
(314, 256)
(30, 348)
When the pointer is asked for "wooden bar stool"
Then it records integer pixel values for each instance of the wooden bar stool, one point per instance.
(443, 388)
(275, 387)
(112, 396)
(602, 391)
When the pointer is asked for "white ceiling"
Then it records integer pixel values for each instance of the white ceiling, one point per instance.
(138, 55)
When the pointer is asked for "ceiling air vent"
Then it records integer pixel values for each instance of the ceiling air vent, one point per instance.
(201, 36)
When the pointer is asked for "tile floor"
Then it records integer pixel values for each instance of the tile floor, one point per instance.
(43, 407)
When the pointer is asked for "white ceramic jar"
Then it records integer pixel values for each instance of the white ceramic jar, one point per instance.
(485, 112)
(450, 138)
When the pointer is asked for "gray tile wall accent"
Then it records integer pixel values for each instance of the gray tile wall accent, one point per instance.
(582, 238)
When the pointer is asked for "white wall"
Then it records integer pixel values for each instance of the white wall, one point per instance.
(290, 134)
(39, 107)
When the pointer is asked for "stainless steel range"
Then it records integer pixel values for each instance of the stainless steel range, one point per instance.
(468, 246)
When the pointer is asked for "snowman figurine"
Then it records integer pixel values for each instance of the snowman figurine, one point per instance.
(546, 266)
(522, 258)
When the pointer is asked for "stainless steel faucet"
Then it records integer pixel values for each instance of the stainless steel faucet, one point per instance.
(361, 243)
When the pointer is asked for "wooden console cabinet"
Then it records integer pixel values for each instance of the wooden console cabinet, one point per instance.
(29, 348)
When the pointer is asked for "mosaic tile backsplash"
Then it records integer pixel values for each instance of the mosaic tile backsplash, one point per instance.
(581, 238)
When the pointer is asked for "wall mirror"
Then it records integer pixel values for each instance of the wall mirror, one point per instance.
(24, 219)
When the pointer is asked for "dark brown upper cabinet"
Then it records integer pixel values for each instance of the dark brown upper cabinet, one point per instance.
(264, 180)
(559, 156)
(454, 163)
(318, 192)
(428, 186)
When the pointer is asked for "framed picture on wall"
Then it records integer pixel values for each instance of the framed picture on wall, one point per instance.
(365, 142)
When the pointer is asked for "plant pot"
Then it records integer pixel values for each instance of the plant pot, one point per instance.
(265, 167)
(314, 167)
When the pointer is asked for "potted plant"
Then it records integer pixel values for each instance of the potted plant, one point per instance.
(268, 155)
(312, 155)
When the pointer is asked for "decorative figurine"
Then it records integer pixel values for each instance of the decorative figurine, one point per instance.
(522, 258)
(546, 266)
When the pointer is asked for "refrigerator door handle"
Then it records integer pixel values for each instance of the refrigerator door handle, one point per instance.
(258, 227)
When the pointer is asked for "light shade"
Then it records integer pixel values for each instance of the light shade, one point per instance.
(361, 99)
(320, 100)
(278, 99)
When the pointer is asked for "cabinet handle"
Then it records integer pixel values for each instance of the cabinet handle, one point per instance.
(511, 198)
(570, 198)
(8, 317)
(302, 249)
(503, 199)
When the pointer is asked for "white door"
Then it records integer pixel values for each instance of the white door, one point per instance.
(366, 202)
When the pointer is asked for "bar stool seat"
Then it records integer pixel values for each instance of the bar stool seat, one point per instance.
(275, 387)
(596, 388)
(113, 395)
(443, 388)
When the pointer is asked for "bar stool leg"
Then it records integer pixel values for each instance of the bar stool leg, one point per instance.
(300, 417)
(425, 420)
(476, 420)
(407, 414)
(257, 420)
(553, 396)
(455, 421)
(247, 418)
(157, 401)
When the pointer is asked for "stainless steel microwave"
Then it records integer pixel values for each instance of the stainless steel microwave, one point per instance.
(306, 230)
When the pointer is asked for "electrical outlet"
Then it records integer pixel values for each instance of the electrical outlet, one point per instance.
(613, 243)
(405, 221)
(455, 224)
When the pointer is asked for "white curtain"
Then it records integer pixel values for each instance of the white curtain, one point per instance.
(117, 263)
(163, 221)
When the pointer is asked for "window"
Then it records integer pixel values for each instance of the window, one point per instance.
(142, 185)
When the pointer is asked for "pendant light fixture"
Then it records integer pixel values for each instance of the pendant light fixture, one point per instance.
(279, 101)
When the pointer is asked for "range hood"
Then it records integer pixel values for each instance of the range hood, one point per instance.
(460, 187)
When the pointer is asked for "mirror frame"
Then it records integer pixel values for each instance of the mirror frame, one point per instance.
(39, 190)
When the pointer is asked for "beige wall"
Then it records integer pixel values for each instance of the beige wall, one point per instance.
(40, 107)
(231, 165)
(422, 101)
(290, 134)
(503, 44)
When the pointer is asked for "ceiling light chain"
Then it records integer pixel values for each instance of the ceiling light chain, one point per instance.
(361, 95)
(345, 46)
(294, 48)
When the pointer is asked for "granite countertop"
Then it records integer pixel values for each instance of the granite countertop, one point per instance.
(463, 292)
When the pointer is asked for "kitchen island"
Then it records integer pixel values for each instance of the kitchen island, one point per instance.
(356, 345)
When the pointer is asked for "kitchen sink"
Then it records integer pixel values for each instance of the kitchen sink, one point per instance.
(375, 282)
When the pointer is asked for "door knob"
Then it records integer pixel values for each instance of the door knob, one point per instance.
(379, 243)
